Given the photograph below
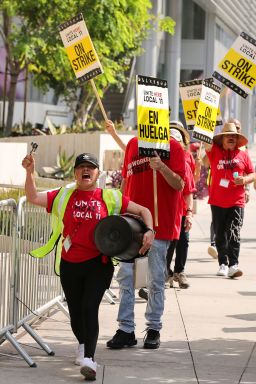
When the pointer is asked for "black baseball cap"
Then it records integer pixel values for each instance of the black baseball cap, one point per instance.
(86, 158)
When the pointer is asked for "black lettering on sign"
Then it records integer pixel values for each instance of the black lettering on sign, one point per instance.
(208, 112)
(153, 132)
(79, 49)
(240, 71)
(204, 122)
(153, 117)
(83, 58)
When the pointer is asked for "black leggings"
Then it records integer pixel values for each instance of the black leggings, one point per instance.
(181, 247)
(84, 285)
(227, 224)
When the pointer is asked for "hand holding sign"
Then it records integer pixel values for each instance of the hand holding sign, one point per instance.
(156, 162)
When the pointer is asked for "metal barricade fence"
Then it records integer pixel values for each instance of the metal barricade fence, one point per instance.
(8, 219)
(37, 283)
(29, 286)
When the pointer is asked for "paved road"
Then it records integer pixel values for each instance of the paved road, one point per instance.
(208, 335)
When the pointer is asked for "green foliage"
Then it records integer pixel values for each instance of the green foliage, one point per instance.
(64, 166)
(167, 24)
(117, 29)
(65, 163)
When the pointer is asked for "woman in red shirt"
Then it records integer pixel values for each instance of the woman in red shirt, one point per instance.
(85, 274)
(231, 170)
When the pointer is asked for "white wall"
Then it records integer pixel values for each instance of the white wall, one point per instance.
(48, 146)
(11, 171)
(36, 112)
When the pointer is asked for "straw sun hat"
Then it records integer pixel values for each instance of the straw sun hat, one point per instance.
(230, 129)
(175, 124)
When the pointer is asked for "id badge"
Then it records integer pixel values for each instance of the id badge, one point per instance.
(67, 243)
(224, 183)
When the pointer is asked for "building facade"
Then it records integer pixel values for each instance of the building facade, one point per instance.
(204, 32)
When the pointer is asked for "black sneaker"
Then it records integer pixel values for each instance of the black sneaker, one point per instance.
(143, 293)
(152, 339)
(121, 340)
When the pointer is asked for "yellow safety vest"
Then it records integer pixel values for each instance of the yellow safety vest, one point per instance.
(111, 197)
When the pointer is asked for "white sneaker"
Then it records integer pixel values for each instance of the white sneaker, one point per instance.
(212, 251)
(234, 271)
(223, 270)
(79, 354)
(88, 368)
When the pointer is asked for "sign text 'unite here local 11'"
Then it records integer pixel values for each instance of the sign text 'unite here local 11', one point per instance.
(80, 50)
(153, 116)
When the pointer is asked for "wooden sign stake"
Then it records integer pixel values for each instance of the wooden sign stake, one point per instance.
(155, 197)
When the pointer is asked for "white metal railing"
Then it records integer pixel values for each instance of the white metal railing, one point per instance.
(28, 286)
(8, 219)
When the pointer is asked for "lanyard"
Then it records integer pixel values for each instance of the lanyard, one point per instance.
(85, 210)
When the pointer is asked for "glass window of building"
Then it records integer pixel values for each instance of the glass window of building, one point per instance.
(223, 37)
(191, 74)
(193, 21)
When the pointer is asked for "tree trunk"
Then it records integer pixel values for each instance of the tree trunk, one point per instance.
(83, 107)
(11, 99)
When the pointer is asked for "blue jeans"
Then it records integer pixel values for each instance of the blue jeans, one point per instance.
(155, 304)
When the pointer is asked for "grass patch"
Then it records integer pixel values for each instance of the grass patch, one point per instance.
(8, 193)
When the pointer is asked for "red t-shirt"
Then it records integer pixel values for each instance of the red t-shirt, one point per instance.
(139, 185)
(190, 161)
(84, 210)
(223, 192)
(189, 187)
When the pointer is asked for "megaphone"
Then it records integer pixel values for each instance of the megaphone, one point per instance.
(120, 236)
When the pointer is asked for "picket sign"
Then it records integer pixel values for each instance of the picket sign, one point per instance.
(153, 123)
(81, 53)
(237, 68)
(190, 92)
(207, 112)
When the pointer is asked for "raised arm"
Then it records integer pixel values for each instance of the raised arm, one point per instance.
(33, 196)
(208, 147)
(110, 127)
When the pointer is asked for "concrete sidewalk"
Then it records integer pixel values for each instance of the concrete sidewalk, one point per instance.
(208, 335)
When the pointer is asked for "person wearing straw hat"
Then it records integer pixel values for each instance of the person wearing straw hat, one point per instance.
(231, 170)
(212, 251)
(195, 164)
(183, 221)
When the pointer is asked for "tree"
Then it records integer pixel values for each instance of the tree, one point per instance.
(29, 32)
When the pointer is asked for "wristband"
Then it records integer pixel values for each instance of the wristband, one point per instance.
(151, 229)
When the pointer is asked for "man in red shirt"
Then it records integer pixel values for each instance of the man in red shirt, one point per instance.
(138, 186)
(231, 170)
